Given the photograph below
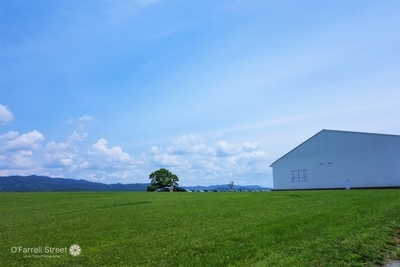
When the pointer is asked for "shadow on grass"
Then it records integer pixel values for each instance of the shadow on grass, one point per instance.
(294, 195)
(124, 204)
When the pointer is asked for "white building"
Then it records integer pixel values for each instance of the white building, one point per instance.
(340, 159)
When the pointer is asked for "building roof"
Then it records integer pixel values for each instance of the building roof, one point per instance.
(324, 130)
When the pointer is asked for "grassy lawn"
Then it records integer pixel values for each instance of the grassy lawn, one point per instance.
(293, 228)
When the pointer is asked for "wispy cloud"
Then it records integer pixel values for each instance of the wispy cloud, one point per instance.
(5, 115)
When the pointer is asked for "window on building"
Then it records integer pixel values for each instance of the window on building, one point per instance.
(294, 176)
(299, 176)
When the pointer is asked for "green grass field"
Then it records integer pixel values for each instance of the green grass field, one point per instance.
(293, 228)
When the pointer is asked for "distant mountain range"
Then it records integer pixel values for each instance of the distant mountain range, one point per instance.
(35, 183)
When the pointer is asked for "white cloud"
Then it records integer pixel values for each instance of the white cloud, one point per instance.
(81, 123)
(23, 155)
(5, 114)
(84, 165)
(224, 149)
(18, 150)
(77, 136)
(84, 121)
(85, 118)
(17, 160)
(22, 159)
(60, 154)
(53, 146)
(9, 136)
(64, 154)
(164, 159)
(105, 164)
(189, 145)
(194, 159)
(27, 141)
(114, 154)
(248, 147)
(196, 162)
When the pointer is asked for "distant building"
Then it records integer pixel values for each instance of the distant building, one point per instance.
(340, 159)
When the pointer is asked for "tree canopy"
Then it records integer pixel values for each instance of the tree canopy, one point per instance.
(162, 178)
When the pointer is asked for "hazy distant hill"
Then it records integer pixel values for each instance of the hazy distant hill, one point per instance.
(35, 183)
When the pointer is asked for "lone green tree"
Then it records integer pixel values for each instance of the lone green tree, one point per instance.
(162, 178)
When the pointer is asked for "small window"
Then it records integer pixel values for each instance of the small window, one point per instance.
(297, 176)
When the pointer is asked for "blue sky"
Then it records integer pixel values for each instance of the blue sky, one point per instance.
(215, 91)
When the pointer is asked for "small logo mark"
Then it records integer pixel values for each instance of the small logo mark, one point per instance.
(75, 250)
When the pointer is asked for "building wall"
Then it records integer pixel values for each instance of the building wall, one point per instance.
(332, 159)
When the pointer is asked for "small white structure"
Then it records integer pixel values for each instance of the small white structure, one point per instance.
(340, 159)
